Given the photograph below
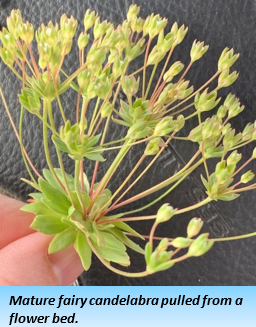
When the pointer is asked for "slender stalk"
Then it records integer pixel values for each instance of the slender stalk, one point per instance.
(141, 175)
(46, 147)
(161, 196)
(195, 206)
(22, 147)
(112, 168)
(163, 71)
(145, 68)
(77, 186)
(16, 132)
(151, 78)
(161, 185)
(233, 238)
(59, 156)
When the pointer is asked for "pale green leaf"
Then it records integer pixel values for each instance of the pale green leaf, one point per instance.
(48, 224)
(62, 240)
(83, 249)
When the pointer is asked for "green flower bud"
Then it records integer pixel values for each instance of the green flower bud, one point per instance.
(247, 132)
(181, 242)
(137, 25)
(45, 51)
(134, 50)
(227, 59)
(194, 227)
(89, 19)
(13, 23)
(100, 28)
(198, 50)
(30, 100)
(119, 66)
(195, 134)
(106, 110)
(130, 86)
(200, 246)
(155, 56)
(153, 146)
(82, 40)
(83, 80)
(96, 54)
(8, 40)
(235, 110)
(234, 158)
(155, 25)
(220, 166)
(226, 79)
(247, 177)
(174, 70)
(26, 32)
(68, 26)
(225, 129)
(7, 56)
(165, 213)
(182, 91)
(138, 130)
(206, 101)
(222, 111)
(179, 33)
(254, 153)
(164, 126)
(133, 12)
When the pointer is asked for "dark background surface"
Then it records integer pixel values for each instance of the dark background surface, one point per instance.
(219, 23)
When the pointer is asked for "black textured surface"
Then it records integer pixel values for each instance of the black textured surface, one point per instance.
(219, 23)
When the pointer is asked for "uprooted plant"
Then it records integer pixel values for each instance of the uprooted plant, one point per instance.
(81, 211)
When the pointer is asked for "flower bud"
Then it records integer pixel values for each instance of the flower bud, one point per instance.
(165, 213)
(225, 129)
(200, 246)
(206, 101)
(133, 12)
(222, 111)
(83, 80)
(137, 25)
(234, 158)
(130, 86)
(227, 59)
(68, 26)
(198, 50)
(106, 110)
(26, 32)
(89, 19)
(155, 25)
(8, 40)
(13, 23)
(247, 177)
(226, 79)
(195, 134)
(135, 50)
(7, 56)
(174, 70)
(181, 242)
(178, 33)
(254, 153)
(194, 227)
(182, 90)
(155, 56)
(30, 100)
(100, 28)
(153, 146)
(82, 40)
